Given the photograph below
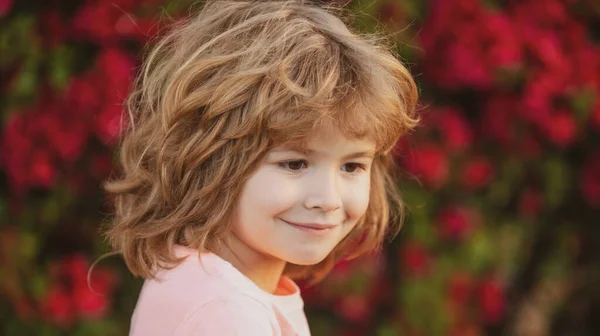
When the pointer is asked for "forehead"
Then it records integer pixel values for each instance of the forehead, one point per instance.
(329, 140)
(302, 128)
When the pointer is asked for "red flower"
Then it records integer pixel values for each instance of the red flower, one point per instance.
(53, 28)
(415, 259)
(589, 182)
(110, 124)
(42, 170)
(88, 304)
(529, 146)
(108, 21)
(57, 307)
(430, 163)
(456, 223)
(393, 15)
(560, 128)
(530, 203)
(115, 67)
(464, 44)
(100, 166)
(505, 45)
(498, 119)
(5, 6)
(23, 309)
(70, 297)
(547, 48)
(455, 130)
(538, 96)
(15, 148)
(465, 330)
(492, 300)
(354, 308)
(477, 173)
(83, 93)
(460, 287)
(595, 115)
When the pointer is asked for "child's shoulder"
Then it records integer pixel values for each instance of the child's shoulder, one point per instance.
(195, 294)
(203, 278)
(231, 313)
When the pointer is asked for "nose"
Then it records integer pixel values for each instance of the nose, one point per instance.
(323, 192)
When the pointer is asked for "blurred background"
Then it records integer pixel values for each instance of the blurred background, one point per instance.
(501, 180)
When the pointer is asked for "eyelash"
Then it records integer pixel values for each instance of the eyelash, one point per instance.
(285, 165)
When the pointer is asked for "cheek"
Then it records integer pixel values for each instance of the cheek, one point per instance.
(357, 199)
(268, 193)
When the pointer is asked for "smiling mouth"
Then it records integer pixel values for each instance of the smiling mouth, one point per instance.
(317, 229)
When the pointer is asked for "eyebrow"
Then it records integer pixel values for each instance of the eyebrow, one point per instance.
(367, 154)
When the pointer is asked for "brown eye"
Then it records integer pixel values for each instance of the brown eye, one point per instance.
(353, 167)
(294, 166)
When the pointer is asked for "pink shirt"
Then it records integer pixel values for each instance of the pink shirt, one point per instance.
(214, 298)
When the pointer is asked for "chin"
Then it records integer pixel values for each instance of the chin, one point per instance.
(307, 259)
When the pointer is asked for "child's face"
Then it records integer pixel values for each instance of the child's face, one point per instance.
(325, 187)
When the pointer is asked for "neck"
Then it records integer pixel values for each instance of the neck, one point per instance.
(265, 271)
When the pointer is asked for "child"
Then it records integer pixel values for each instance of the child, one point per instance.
(258, 151)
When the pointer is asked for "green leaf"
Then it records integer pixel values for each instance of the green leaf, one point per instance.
(478, 252)
(61, 66)
(582, 103)
(29, 246)
(50, 211)
(557, 179)
(386, 330)
(25, 84)
(38, 285)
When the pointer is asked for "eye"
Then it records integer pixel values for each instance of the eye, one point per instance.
(293, 166)
(354, 167)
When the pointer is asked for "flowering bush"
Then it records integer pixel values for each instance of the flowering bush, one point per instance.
(502, 179)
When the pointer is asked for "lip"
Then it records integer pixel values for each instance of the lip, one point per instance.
(314, 228)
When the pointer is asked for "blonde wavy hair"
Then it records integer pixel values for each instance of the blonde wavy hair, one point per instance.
(220, 90)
